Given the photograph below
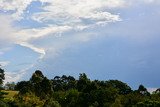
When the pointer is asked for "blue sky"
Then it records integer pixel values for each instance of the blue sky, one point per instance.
(106, 39)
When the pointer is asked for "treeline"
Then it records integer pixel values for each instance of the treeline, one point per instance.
(66, 91)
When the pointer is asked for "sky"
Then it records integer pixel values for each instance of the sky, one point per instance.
(106, 39)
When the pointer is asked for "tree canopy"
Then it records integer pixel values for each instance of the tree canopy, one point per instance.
(67, 91)
(1, 76)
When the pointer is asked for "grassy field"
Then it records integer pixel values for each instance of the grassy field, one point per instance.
(10, 93)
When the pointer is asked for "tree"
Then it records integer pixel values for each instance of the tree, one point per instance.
(83, 82)
(142, 90)
(2, 104)
(46, 89)
(37, 77)
(123, 88)
(1, 76)
(24, 87)
(10, 86)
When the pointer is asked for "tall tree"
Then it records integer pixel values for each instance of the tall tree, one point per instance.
(143, 90)
(1, 82)
(1, 76)
(37, 77)
(83, 82)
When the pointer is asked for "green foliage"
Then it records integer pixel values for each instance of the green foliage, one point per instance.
(131, 99)
(1, 82)
(123, 88)
(3, 104)
(28, 100)
(9, 94)
(37, 77)
(148, 103)
(1, 76)
(63, 83)
(51, 103)
(9, 86)
(24, 87)
(142, 90)
(117, 103)
(66, 91)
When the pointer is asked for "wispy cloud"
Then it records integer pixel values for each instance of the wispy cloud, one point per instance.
(16, 76)
(64, 23)
(61, 16)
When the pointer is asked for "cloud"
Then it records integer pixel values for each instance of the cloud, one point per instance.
(77, 13)
(6, 34)
(59, 8)
(58, 18)
(151, 90)
(61, 16)
(64, 24)
(17, 7)
(38, 50)
(138, 32)
(151, 1)
(4, 63)
(142, 2)
(16, 76)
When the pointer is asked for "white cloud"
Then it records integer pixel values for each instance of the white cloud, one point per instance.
(151, 90)
(58, 17)
(38, 50)
(16, 6)
(78, 12)
(26, 35)
(64, 15)
(142, 2)
(4, 63)
(6, 34)
(14, 76)
(33, 33)
(61, 16)
(70, 9)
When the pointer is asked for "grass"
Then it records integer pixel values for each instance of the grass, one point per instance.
(10, 93)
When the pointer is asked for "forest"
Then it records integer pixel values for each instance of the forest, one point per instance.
(67, 91)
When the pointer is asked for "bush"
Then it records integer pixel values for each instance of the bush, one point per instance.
(3, 104)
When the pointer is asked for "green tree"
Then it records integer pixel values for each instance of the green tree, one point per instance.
(123, 88)
(28, 100)
(10, 86)
(2, 103)
(51, 103)
(83, 82)
(142, 90)
(1, 76)
(24, 87)
(37, 77)
(148, 103)
(46, 88)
